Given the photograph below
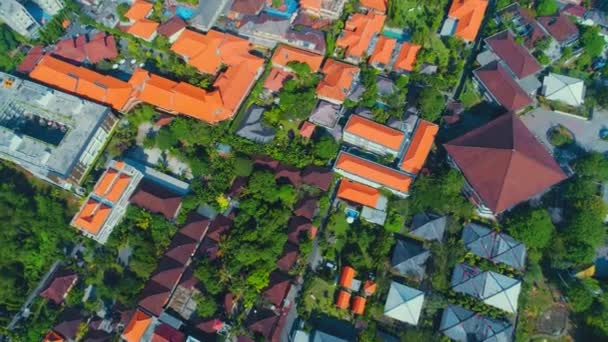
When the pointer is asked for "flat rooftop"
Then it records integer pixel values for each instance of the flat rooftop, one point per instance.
(43, 127)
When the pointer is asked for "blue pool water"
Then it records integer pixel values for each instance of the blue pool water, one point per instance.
(402, 36)
(37, 12)
(351, 213)
(183, 12)
(290, 7)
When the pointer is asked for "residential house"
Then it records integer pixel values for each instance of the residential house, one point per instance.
(462, 325)
(498, 86)
(492, 288)
(418, 147)
(307, 38)
(522, 167)
(347, 276)
(242, 8)
(208, 12)
(69, 323)
(361, 194)
(307, 129)
(289, 257)
(521, 21)
(298, 228)
(139, 326)
(318, 177)
(325, 9)
(382, 55)
(409, 259)
(358, 305)
(265, 324)
(326, 114)
(53, 135)
(464, 19)
(404, 303)
(372, 136)
(105, 206)
(428, 227)
(17, 17)
(285, 54)
(264, 29)
(494, 246)
(172, 28)
(343, 299)
(59, 286)
(372, 174)
(276, 291)
(405, 60)
(157, 199)
(378, 6)
(566, 89)
(139, 24)
(338, 80)
(359, 32)
(275, 79)
(253, 128)
(87, 48)
(561, 28)
(166, 333)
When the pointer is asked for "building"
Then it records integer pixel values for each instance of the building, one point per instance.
(325, 9)
(172, 28)
(264, 30)
(494, 246)
(87, 48)
(157, 199)
(405, 60)
(140, 26)
(253, 128)
(464, 19)
(378, 6)
(517, 59)
(307, 38)
(566, 89)
(242, 8)
(59, 286)
(359, 32)
(418, 147)
(409, 259)
(105, 206)
(521, 167)
(325, 114)
(338, 80)
(404, 303)
(498, 86)
(15, 15)
(51, 7)
(382, 55)
(54, 135)
(428, 227)
(138, 327)
(492, 288)
(462, 325)
(285, 54)
(561, 28)
(372, 174)
(372, 136)
(361, 194)
(208, 12)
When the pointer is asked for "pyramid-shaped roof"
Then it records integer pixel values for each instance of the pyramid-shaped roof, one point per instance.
(495, 246)
(409, 258)
(492, 288)
(504, 163)
(460, 324)
(428, 227)
(404, 303)
(564, 88)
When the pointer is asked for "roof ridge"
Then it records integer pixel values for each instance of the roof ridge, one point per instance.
(504, 176)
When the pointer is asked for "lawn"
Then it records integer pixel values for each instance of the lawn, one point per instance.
(469, 96)
(319, 296)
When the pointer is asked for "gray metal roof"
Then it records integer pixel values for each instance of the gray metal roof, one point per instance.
(462, 325)
(494, 246)
(428, 227)
(492, 288)
(404, 303)
(208, 12)
(409, 258)
(253, 128)
(320, 336)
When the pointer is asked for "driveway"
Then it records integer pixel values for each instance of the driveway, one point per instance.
(586, 132)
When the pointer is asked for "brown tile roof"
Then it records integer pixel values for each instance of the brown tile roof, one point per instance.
(306, 207)
(154, 297)
(182, 248)
(277, 289)
(288, 258)
(296, 228)
(31, 59)
(262, 322)
(166, 333)
(218, 227)
(504, 163)
(59, 286)
(265, 161)
(237, 187)
(69, 322)
(289, 173)
(195, 226)
(559, 26)
(247, 7)
(317, 176)
(519, 60)
(500, 84)
(171, 26)
(168, 272)
(156, 199)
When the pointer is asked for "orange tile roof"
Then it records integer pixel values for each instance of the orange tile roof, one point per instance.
(378, 5)
(470, 15)
(118, 188)
(52, 336)
(358, 193)
(383, 51)
(337, 81)
(139, 10)
(369, 287)
(419, 148)
(358, 306)
(376, 173)
(81, 81)
(343, 299)
(104, 184)
(406, 59)
(346, 276)
(311, 4)
(275, 79)
(307, 129)
(375, 132)
(359, 31)
(285, 54)
(92, 216)
(234, 84)
(136, 328)
(143, 28)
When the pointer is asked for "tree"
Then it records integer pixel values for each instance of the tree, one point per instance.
(532, 226)
(326, 148)
(208, 275)
(593, 165)
(592, 41)
(546, 7)
(431, 104)
(579, 297)
(205, 306)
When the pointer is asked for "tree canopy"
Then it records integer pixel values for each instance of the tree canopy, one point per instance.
(532, 226)
(546, 7)
(431, 103)
(592, 41)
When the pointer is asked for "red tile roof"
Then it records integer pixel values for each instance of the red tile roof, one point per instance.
(375, 132)
(166, 333)
(52, 336)
(171, 26)
(156, 199)
(139, 10)
(247, 7)
(337, 80)
(369, 287)
(296, 228)
(383, 51)
(285, 54)
(59, 286)
(559, 26)
(31, 59)
(373, 172)
(289, 257)
(137, 326)
(275, 79)
(377, 5)
(519, 60)
(319, 177)
(504, 163)
(500, 84)
(307, 129)
(153, 298)
(346, 277)
(306, 207)
(277, 289)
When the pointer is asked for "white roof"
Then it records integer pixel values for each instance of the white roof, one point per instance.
(563, 88)
(404, 303)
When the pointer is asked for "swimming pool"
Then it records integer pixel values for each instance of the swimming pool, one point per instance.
(37, 12)
(400, 35)
(184, 12)
(290, 6)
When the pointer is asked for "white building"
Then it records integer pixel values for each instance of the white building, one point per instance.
(15, 15)
(568, 90)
